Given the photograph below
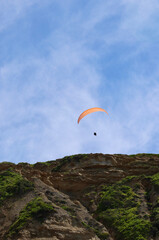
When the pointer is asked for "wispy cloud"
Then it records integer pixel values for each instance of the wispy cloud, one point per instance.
(92, 56)
(10, 11)
(42, 110)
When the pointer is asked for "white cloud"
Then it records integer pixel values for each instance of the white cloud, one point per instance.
(12, 10)
(39, 112)
(125, 21)
(42, 97)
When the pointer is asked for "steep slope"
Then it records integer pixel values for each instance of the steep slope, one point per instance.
(85, 196)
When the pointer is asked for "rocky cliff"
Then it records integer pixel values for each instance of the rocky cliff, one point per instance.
(85, 197)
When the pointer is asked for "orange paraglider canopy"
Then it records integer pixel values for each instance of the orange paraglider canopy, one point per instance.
(88, 111)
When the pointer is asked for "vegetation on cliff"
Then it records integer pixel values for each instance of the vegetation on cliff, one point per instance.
(68, 159)
(35, 209)
(12, 184)
(113, 196)
(119, 209)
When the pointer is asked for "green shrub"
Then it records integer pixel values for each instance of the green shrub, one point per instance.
(36, 209)
(155, 219)
(126, 223)
(155, 180)
(71, 211)
(117, 196)
(12, 183)
(101, 235)
(118, 210)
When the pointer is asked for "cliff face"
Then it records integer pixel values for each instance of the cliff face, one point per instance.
(85, 196)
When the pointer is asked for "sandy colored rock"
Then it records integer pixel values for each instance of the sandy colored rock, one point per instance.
(71, 185)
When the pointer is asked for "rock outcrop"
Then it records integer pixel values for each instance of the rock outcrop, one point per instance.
(85, 196)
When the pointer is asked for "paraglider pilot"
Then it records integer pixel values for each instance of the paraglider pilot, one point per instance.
(88, 111)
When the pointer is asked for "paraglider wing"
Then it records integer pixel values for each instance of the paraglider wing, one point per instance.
(88, 111)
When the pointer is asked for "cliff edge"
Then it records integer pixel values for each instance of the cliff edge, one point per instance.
(84, 196)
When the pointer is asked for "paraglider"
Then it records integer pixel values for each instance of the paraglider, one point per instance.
(88, 111)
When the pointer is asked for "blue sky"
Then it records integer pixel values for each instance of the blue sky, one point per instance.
(59, 58)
